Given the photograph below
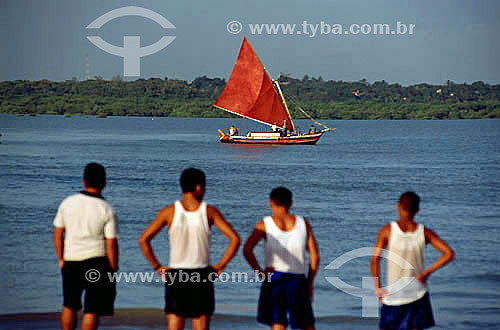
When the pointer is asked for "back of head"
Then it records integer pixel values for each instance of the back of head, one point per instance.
(281, 196)
(95, 176)
(190, 178)
(410, 202)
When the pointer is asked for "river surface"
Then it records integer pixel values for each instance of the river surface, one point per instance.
(347, 186)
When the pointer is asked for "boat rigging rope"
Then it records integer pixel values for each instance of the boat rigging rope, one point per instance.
(290, 97)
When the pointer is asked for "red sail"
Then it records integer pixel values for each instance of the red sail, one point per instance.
(250, 93)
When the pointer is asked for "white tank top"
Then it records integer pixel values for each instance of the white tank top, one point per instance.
(401, 281)
(189, 236)
(285, 251)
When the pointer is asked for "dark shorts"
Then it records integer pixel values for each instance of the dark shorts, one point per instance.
(286, 294)
(191, 293)
(415, 315)
(99, 293)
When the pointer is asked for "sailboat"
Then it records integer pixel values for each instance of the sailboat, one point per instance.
(251, 94)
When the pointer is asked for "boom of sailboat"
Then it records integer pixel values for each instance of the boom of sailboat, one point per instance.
(250, 93)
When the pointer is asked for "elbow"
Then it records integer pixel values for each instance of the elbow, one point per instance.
(237, 241)
(451, 255)
(234, 241)
(247, 252)
(142, 241)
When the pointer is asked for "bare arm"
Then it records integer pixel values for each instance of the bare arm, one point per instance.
(440, 245)
(59, 245)
(380, 244)
(163, 218)
(216, 218)
(112, 253)
(257, 234)
(312, 247)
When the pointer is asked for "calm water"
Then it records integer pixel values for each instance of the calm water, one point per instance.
(347, 185)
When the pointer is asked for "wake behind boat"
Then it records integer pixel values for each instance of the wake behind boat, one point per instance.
(250, 93)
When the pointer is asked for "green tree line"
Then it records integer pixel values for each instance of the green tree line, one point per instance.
(322, 99)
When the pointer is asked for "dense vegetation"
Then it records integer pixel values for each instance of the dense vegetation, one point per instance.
(322, 99)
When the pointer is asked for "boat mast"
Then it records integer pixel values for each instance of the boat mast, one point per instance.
(294, 130)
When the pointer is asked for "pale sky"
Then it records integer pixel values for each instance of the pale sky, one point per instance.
(456, 40)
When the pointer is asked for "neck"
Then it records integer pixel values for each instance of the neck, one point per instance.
(190, 198)
(93, 191)
(281, 215)
(406, 218)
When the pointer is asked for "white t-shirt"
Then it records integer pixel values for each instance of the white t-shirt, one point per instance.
(88, 220)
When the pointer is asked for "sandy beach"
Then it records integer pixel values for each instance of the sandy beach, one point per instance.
(153, 318)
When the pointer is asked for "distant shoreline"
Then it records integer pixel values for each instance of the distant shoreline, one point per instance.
(195, 99)
(227, 117)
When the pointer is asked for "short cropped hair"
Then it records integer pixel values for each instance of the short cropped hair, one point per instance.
(190, 178)
(410, 202)
(281, 196)
(94, 175)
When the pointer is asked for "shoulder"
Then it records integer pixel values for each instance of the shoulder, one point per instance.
(71, 199)
(428, 233)
(97, 203)
(260, 229)
(166, 214)
(213, 214)
(305, 222)
(385, 230)
(168, 209)
(261, 225)
(383, 236)
(106, 205)
(308, 228)
(212, 210)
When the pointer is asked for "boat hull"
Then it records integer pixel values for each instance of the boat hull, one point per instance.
(306, 139)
